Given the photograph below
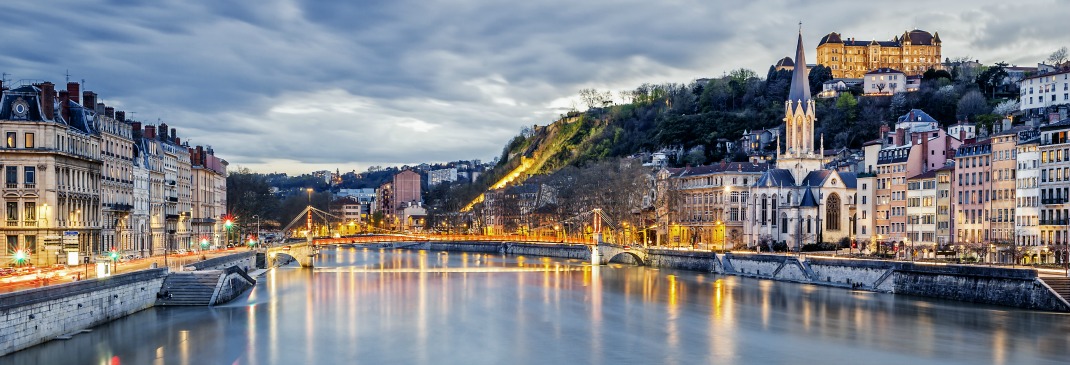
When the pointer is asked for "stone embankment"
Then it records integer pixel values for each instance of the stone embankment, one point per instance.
(1020, 288)
(39, 315)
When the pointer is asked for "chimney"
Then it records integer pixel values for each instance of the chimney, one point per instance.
(150, 132)
(174, 135)
(163, 131)
(900, 137)
(64, 105)
(89, 99)
(2, 88)
(178, 141)
(72, 91)
(110, 112)
(48, 100)
(136, 128)
(99, 108)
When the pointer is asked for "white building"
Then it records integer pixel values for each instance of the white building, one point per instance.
(435, 177)
(1045, 93)
(1027, 194)
(884, 81)
(921, 213)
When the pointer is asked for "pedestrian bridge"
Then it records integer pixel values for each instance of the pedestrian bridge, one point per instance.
(304, 252)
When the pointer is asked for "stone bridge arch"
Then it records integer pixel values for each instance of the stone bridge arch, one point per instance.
(606, 253)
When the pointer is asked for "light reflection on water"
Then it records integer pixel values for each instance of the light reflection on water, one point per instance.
(420, 307)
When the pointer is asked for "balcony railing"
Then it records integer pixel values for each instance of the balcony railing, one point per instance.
(11, 223)
(29, 223)
(1052, 222)
(173, 199)
(1053, 201)
(12, 185)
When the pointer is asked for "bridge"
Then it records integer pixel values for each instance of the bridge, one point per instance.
(304, 252)
(600, 251)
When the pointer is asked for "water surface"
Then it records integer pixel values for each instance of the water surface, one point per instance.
(369, 306)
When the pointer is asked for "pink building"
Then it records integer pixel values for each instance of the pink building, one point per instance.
(406, 189)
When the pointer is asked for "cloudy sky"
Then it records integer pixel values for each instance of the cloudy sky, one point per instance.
(301, 85)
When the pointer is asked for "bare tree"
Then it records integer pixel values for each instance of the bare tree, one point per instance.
(1058, 57)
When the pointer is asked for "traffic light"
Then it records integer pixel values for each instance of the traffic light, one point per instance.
(204, 242)
(20, 256)
(252, 240)
(228, 223)
(113, 254)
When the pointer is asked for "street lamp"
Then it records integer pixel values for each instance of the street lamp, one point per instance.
(257, 228)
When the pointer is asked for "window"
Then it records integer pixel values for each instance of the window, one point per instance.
(12, 211)
(31, 243)
(10, 139)
(12, 243)
(29, 212)
(30, 171)
(832, 212)
(29, 141)
(12, 176)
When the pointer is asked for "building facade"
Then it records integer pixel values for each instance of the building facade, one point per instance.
(913, 52)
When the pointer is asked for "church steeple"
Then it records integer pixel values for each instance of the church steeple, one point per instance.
(799, 154)
(800, 83)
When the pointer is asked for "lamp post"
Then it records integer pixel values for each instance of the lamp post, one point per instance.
(257, 228)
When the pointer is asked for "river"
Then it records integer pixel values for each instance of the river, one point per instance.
(371, 306)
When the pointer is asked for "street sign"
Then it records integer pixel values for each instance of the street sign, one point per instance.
(70, 240)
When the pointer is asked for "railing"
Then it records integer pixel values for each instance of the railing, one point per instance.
(11, 223)
(1053, 201)
(29, 186)
(1052, 222)
(29, 223)
(12, 185)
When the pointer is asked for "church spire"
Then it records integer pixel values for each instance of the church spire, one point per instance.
(800, 83)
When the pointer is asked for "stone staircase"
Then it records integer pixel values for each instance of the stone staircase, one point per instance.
(1060, 285)
(189, 288)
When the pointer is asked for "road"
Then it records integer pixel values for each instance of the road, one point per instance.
(81, 272)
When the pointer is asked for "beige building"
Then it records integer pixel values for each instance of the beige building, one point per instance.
(117, 147)
(209, 197)
(913, 52)
(52, 174)
(708, 205)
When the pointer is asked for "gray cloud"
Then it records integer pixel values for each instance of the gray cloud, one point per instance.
(296, 85)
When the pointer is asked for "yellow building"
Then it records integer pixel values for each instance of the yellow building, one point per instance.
(913, 52)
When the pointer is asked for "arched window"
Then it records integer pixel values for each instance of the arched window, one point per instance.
(832, 212)
(783, 223)
(809, 227)
(765, 207)
(775, 204)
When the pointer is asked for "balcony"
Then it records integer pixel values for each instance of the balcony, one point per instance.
(1053, 201)
(29, 223)
(203, 220)
(11, 223)
(172, 199)
(1052, 222)
(171, 216)
(12, 185)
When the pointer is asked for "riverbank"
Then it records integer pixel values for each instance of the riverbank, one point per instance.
(1020, 288)
(39, 315)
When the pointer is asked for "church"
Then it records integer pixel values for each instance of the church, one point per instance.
(801, 202)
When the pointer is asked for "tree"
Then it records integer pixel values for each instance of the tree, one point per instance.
(818, 75)
(1006, 108)
(991, 78)
(1058, 57)
(971, 105)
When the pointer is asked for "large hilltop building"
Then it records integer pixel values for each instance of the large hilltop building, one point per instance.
(800, 201)
(913, 53)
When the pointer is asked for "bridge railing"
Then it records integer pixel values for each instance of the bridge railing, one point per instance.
(452, 238)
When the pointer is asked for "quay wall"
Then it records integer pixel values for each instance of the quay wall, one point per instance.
(1000, 286)
(243, 260)
(39, 315)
